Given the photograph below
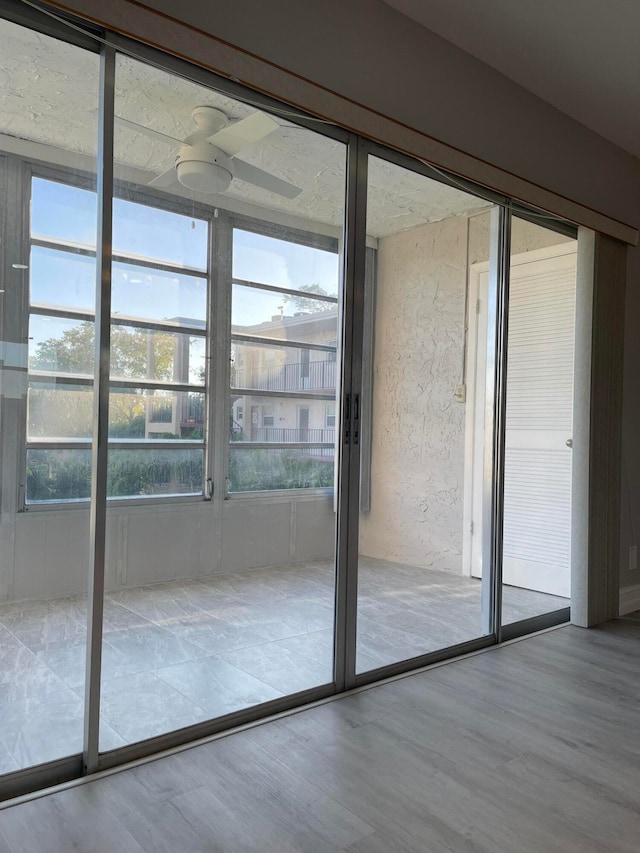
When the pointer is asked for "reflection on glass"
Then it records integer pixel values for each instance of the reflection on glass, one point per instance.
(539, 417)
(416, 592)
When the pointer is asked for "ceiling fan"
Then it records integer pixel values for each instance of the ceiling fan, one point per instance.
(206, 161)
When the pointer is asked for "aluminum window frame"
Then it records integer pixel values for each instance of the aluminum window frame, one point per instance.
(296, 236)
(127, 193)
(213, 331)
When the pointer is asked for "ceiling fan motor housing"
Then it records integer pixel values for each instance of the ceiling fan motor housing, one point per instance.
(204, 168)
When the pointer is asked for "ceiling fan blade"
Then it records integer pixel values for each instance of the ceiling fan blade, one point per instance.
(165, 179)
(242, 134)
(264, 180)
(148, 131)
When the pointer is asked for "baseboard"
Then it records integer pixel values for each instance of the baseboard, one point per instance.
(629, 599)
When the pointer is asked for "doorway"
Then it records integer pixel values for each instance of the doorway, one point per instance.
(539, 415)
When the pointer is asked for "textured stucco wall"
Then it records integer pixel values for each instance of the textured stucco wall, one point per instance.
(418, 428)
(417, 468)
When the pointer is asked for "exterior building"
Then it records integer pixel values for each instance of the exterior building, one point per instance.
(290, 369)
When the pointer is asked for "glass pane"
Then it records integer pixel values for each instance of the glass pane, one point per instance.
(64, 346)
(280, 468)
(66, 412)
(60, 212)
(62, 279)
(148, 233)
(267, 314)
(48, 109)
(58, 475)
(143, 414)
(158, 356)
(271, 368)
(57, 345)
(285, 264)
(146, 472)
(59, 411)
(68, 280)
(539, 416)
(231, 614)
(150, 294)
(280, 419)
(417, 591)
(65, 475)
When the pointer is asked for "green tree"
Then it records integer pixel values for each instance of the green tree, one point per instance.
(311, 306)
(67, 412)
(131, 351)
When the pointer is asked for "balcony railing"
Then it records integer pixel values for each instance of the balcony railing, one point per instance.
(285, 435)
(282, 436)
(298, 376)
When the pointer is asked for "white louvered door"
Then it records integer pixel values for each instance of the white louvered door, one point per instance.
(537, 520)
(537, 499)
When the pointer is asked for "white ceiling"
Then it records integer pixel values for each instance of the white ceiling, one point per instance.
(49, 96)
(581, 56)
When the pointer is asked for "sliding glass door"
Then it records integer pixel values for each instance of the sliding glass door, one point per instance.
(274, 395)
(416, 591)
(226, 288)
(49, 98)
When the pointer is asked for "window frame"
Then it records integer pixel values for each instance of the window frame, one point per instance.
(217, 335)
(314, 240)
(34, 169)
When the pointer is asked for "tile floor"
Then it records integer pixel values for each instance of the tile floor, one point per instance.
(178, 653)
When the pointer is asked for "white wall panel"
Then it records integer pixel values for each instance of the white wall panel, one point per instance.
(150, 544)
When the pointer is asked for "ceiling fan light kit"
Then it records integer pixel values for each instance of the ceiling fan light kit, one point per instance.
(203, 168)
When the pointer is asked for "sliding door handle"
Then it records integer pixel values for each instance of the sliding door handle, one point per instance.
(356, 418)
(346, 418)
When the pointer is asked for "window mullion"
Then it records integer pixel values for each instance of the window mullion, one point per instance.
(219, 352)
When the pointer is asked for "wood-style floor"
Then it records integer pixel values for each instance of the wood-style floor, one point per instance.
(529, 748)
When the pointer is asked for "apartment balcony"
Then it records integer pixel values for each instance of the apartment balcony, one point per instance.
(299, 376)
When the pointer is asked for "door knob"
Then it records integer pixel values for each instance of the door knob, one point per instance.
(569, 442)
